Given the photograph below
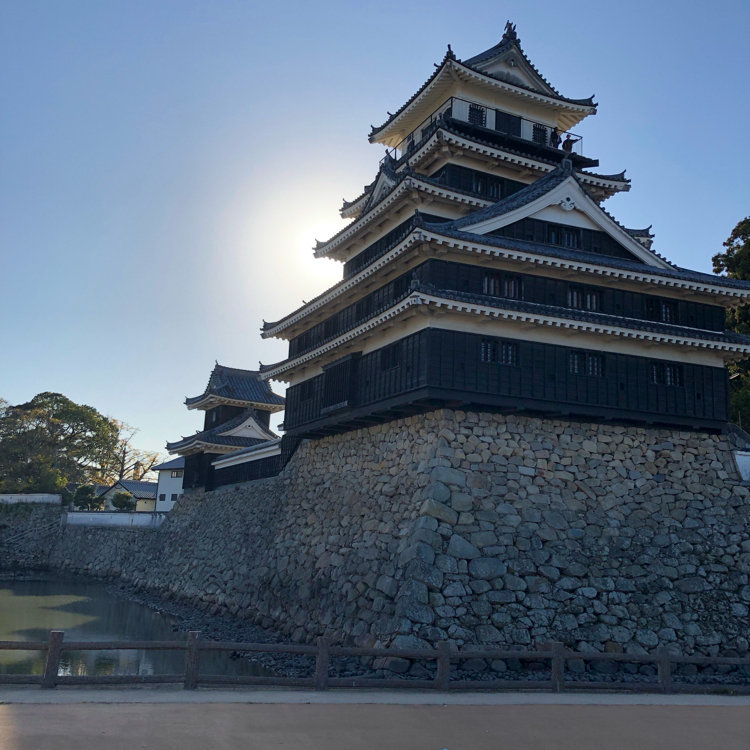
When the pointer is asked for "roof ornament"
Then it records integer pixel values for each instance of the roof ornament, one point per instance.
(567, 166)
(510, 32)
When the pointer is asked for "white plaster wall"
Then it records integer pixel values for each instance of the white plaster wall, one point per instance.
(167, 486)
(31, 498)
(114, 519)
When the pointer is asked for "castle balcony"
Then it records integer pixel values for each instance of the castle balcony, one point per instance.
(503, 129)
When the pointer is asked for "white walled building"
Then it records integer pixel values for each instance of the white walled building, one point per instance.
(169, 485)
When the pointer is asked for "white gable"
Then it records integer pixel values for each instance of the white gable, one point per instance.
(510, 68)
(574, 218)
(569, 204)
(249, 429)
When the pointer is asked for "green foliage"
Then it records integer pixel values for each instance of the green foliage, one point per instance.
(83, 498)
(735, 263)
(124, 501)
(51, 441)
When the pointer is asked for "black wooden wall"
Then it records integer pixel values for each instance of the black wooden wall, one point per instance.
(444, 366)
(462, 277)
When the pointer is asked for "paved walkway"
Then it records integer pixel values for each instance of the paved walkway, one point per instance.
(31, 719)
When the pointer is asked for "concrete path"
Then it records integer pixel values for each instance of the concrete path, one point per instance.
(31, 719)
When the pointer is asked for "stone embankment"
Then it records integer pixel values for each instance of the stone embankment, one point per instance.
(478, 528)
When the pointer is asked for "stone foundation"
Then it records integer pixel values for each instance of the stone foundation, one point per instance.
(478, 528)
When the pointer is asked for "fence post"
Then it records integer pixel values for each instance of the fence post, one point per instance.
(52, 661)
(322, 661)
(664, 669)
(192, 660)
(443, 672)
(558, 666)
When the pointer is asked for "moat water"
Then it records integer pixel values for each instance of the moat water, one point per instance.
(89, 611)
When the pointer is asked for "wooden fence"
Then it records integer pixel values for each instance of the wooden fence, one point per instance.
(555, 654)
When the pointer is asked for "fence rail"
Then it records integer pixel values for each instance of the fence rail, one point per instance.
(444, 656)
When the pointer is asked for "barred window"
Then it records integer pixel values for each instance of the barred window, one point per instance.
(666, 374)
(500, 285)
(571, 238)
(499, 352)
(594, 365)
(668, 312)
(512, 287)
(673, 375)
(491, 284)
(580, 298)
(477, 115)
(664, 310)
(586, 363)
(539, 134)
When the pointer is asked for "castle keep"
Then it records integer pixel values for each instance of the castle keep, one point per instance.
(481, 271)
(506, 424)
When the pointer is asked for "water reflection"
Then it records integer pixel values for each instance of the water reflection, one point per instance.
(87, 611)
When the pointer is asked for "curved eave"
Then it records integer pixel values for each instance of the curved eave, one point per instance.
(439, 87)
(729, 296)
(729, 350)
(273, 330)
(351, 210)
(336, 247)
(248, 455)
(209, 402)
(607, 184)
(188, 447)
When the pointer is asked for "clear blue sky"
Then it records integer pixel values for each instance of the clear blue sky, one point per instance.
(166, 165)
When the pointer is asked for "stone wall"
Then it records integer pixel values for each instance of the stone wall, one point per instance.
(479, 528)
(27, 534)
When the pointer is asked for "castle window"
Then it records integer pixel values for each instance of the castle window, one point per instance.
(512, 287)
(390, 356)
(477, 115)
(586, 363)
(571, 237)
(666, 374)
(539, 134)
(580, 298)
(497, 352)
(668, 312)
(506, 123)
(663, 310)
(491, 284)
(500, 285)
(306, 390)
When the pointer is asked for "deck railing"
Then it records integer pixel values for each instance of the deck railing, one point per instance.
(555, 654)
(491, 118)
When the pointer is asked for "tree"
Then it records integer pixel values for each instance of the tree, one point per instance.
(123, 501)
(735, 263)
(130, 462)
(83, 498)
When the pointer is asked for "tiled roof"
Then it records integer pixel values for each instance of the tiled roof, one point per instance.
(529, 194)
(590, 317)
(175, 463)
(550, 311)
(470, 64)
(139, 490)
(215, 437)
(584, 257)
(524, 196)
(239, 385)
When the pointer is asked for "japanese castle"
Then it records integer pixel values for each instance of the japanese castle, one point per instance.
(481, 271)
